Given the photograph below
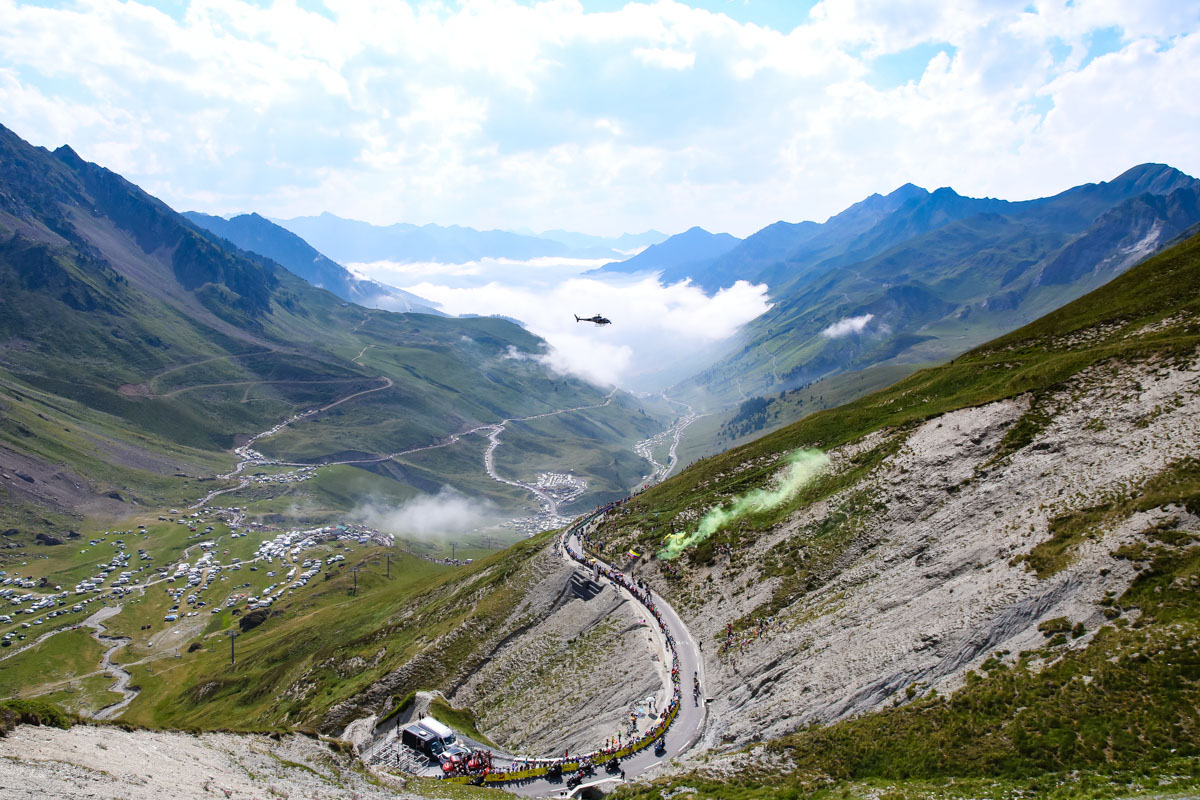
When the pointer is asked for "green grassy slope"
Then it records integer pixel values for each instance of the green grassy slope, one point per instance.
(327, 646)
(159, 346)
(758, 416)
(321, 646)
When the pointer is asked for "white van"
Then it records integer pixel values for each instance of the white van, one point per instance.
(443, 732)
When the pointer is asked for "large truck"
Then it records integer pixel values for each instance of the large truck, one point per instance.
(431, 738)
(422, 741)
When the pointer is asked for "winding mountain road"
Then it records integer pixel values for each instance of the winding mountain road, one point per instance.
(645, 448)
(678, 649)
(689, 722)
(249, 457)
(687, 726)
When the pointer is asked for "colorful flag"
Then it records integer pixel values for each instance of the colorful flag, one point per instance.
(634, 554)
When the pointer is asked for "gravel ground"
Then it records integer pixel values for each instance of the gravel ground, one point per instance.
(107, 762)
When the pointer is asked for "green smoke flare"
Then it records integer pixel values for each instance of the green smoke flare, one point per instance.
(804, 465)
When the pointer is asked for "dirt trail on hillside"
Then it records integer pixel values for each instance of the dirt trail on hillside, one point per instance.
(120, 676)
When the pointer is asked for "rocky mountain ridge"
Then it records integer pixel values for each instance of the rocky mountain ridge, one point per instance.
(256, 234)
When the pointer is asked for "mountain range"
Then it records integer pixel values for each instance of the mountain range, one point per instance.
(137, 347)
(191, 329)
(896, 280)
(589, 245)
(987, 582)
(351, 241)
(916, 276)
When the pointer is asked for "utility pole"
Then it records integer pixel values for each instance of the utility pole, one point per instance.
(389, 565)
(355, 571)
(232, 635)
(452, 546)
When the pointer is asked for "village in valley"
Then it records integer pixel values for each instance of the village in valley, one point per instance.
(181, 575)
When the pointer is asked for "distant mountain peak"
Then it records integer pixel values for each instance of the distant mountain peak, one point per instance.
(258, 234)
(68, 156)
(1150, 168)
(354, 241)
(692, 246)
(905, 192)
(1153, 178)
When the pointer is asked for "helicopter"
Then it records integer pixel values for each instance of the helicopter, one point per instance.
(599, 320)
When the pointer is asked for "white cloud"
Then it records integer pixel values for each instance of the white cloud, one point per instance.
(536, 271)
(499, 113)
(665, 57)
(429, 516)
(847, 326)
(657, 336)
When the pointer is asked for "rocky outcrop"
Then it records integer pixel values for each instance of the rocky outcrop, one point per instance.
(569, 681)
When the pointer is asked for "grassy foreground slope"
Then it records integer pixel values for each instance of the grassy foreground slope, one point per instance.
(1096, 709)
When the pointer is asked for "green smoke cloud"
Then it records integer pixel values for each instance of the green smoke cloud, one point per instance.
(803, 466)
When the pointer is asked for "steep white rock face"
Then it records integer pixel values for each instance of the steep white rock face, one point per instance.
(568, 682)
(930, 583)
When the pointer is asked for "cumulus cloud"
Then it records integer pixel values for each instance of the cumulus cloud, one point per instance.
(429, 517)
(847, 326)
(506, 113)
(659, 334)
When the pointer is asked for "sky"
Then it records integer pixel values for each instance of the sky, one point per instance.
(605, 116)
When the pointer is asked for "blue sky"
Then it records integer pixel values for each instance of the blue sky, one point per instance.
(604, 115)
